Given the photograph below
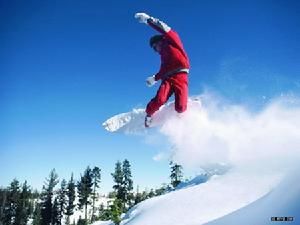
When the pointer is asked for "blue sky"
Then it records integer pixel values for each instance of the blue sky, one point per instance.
(66, 66)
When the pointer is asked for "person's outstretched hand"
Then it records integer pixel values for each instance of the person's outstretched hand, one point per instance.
(142, 17)
(150, 81)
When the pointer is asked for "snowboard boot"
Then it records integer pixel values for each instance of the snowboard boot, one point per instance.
(148, 121)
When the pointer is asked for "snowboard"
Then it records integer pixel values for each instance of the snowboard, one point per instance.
(133, 121)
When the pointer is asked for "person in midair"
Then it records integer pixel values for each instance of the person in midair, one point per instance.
(174, 67)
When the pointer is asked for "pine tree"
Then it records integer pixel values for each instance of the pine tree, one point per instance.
(127, 183)
(71, 195)
(123, 183)
(118, 179)
(46, 198)
(164, 188)
(23, 209)
(116, 211)
(10, 207)
(151, 194)
(62, 201)
(37, 218)
(3, 198)
(55, 218)
(104, 214)
(96, 175)
(144, 195)
(85, 190)
(176, 174)
(138, 196)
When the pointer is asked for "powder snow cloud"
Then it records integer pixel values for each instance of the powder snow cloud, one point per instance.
(219, 132)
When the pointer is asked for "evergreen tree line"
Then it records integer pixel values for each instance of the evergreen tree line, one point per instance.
(55, 205)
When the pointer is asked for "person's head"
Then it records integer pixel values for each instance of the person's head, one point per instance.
(155, 42)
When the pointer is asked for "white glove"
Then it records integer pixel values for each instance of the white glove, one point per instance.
(142, 17)
(150, 81)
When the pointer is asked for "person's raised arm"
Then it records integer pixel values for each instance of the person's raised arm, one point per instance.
(155, 23)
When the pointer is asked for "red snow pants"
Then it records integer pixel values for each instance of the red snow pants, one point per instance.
(177, 84)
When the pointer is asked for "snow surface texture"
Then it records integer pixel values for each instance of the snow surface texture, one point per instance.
(284, 200)
(259, 147)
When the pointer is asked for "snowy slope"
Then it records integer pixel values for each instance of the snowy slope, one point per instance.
(283, 201)
(202, 203)
(259, 148)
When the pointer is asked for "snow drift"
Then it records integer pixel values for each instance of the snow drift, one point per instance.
(202, 203)
(283, 201)
(260, 148)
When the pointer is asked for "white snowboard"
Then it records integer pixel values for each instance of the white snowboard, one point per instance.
(133, 121)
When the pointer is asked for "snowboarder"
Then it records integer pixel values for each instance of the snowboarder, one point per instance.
(174, 67)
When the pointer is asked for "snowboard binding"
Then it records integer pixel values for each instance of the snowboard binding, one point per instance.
(148, 121)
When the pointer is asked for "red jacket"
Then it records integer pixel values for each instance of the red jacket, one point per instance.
(173, 56)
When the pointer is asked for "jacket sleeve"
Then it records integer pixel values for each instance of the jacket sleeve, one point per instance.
(158, 25)
(162, 71)
(163, 28)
